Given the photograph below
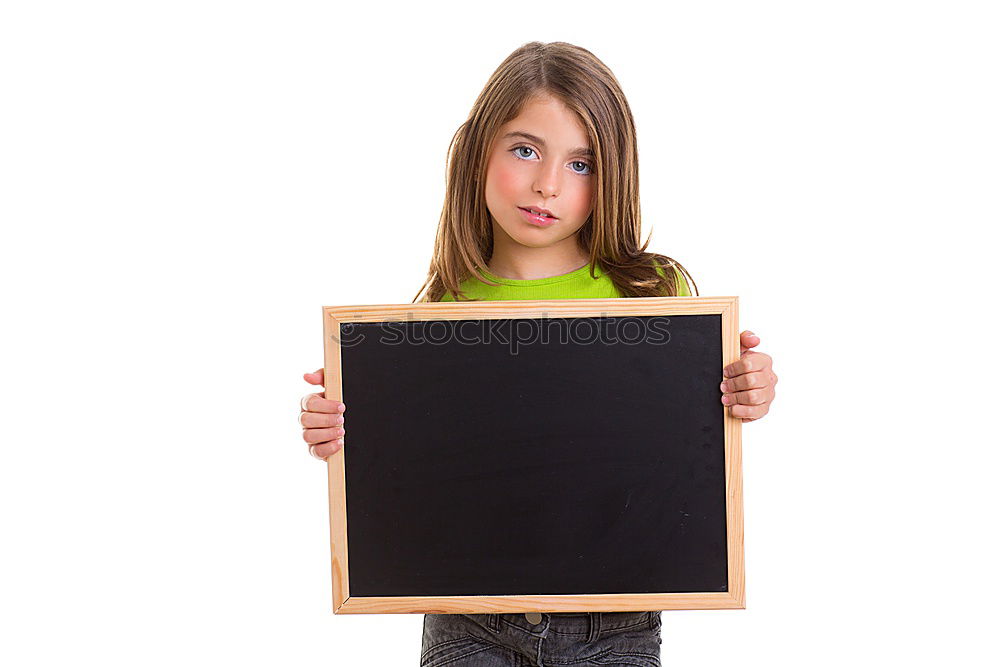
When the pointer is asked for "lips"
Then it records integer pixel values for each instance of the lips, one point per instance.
(537, 220)
(547, 212)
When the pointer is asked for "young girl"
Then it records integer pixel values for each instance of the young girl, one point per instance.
(542, 202)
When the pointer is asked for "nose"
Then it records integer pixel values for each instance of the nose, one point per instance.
(547, 180)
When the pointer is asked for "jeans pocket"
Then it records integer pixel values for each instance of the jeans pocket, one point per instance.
(631, 658)
(449, 651)
(638, 646)
(447, 638)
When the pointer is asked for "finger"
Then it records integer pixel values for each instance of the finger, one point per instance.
(316, 377)
(750, 397)
(320, 419)
(749, 411)
(753, 361)
(315, 435)
(751, 380)
(748, 339)
(325, 449)
(316, 403)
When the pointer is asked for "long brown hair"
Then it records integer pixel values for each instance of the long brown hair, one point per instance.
(572, 74)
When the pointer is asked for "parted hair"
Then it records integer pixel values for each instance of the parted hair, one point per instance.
(611, 235)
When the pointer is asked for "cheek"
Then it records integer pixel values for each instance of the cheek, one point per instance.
(505, 181)
(583, 197)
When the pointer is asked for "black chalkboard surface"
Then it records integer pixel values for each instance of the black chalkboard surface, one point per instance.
(535, 456)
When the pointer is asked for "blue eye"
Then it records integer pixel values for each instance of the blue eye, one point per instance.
(521, 156)
(517, 148)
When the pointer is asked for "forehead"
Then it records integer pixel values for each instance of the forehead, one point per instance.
(548, 118)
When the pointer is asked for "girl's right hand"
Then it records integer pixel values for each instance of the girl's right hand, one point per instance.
(322, 420)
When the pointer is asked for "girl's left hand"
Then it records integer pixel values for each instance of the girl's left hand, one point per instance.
(749, 383)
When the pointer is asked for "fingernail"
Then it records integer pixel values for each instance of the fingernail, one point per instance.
(722, 386)
(727, 399)
(340, 419)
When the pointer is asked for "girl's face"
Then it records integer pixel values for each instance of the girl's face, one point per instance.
(542, 158)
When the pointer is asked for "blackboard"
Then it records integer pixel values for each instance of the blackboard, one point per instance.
(568, 455)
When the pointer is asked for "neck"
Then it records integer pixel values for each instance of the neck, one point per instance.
(517, 262)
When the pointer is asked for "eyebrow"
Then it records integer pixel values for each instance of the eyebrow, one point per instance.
(585, 152)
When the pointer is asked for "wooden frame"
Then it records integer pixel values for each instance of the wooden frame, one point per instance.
(727, 307)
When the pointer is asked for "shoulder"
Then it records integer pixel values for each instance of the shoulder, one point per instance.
(683, 289)
(468, 287)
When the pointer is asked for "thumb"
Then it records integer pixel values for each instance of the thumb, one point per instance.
(748, 339)
(316, 377)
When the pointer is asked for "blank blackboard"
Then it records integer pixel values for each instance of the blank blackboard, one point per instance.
(555, 456)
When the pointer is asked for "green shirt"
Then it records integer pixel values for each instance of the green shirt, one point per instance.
(573, 285)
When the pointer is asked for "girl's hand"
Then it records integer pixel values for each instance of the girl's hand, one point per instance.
(322, 420)
(749, 383)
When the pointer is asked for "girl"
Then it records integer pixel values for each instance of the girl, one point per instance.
(542, 202)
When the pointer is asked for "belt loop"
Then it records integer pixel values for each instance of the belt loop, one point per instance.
(595, 626)
(493, 622)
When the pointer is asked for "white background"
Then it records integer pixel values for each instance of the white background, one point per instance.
(183, 185)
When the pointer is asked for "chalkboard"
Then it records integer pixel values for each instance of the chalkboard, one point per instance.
(550, 456)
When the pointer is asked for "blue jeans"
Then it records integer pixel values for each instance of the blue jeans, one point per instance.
(501, 640)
